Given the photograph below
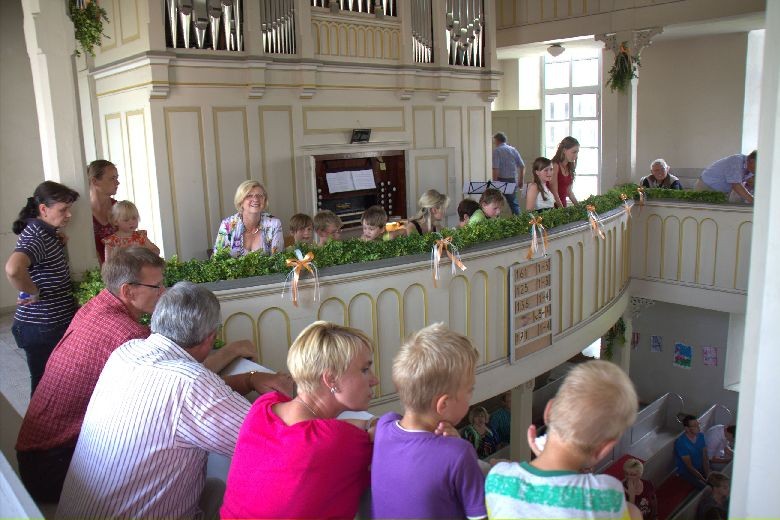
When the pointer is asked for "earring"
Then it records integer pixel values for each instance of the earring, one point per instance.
(332, 389)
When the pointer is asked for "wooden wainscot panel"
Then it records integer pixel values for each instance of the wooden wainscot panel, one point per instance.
(531, 308)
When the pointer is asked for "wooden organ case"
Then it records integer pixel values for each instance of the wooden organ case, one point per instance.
(389, 173)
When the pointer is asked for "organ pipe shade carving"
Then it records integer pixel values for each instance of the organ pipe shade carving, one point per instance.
(204, 24)
(422, 31)
(378, 7)
(465, 21)
(277, 25)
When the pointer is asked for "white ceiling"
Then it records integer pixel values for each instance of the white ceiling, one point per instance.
(742, 23)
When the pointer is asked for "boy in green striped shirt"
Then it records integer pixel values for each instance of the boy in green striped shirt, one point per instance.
(591, 410)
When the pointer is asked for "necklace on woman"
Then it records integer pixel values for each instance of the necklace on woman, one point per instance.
(311, 410)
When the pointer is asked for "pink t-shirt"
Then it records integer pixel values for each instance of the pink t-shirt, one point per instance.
(312, 469)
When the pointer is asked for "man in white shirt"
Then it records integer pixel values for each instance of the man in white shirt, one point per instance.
(720, 441)
(155, 414)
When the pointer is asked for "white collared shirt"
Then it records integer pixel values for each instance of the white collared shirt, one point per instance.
(154, 416)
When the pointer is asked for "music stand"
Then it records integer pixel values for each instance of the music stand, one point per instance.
(479, 187)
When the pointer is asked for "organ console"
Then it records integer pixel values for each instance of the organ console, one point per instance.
(389, 191)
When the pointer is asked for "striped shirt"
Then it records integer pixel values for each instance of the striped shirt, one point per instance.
(49, 272)
(154, 416)
(519, 490)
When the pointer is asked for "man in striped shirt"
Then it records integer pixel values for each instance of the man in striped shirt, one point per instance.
(154, 416)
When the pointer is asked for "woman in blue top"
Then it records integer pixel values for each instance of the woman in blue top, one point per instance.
(38, 269)
(251, 229)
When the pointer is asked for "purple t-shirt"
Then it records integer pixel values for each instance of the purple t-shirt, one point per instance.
(416, 474)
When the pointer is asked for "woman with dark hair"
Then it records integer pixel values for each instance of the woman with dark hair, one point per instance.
(38, 269)
(538, 196)
(103, 183)
(564, 163)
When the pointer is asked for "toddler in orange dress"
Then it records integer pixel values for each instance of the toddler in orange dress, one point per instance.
(124, 216)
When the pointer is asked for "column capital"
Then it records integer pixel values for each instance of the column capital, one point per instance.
(637, 39)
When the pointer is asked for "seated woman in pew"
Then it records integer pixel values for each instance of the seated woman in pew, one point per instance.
(538, 196)
(639, 491)
(252, 228)
(297, 448)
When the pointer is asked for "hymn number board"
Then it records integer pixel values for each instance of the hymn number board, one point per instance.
(530, 301)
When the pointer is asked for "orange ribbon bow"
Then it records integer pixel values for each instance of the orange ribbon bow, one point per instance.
(626, 204)
(298, 265)
(595, 223)
(641, 191)
(537, 229)
(443, 245)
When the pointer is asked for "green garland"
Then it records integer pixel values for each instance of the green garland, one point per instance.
(615, 335)
(712, 197)
(623, 70)
(88, 25)
(222, 266)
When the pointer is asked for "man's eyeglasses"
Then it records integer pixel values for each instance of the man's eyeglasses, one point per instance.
(150, 286)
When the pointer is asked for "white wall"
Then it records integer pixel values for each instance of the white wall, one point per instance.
(752, 110)
(654, 374)
(690, 101)
(21, 167)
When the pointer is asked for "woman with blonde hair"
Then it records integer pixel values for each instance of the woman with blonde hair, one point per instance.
(639, 491)
(298, 448)
(432, 205)
(252, 228)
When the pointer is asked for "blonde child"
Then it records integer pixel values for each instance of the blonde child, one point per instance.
(327, 225)
(301, 229)
(373, 220)
(466, 208)
(590, 412)
(432, 206)
(414, 472)
(489, 206)
(124, 217)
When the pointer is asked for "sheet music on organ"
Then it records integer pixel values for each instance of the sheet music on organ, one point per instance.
(351, 180)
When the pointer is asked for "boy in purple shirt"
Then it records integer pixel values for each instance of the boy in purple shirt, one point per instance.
(415, 473)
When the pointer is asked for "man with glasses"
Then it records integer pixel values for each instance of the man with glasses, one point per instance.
(50, 429)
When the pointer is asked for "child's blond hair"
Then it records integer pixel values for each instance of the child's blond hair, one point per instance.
(634, 464)
(325, 218)
(374, 216)
(300, 221)
(489, 196)
(122, 210)
(594, 405)
(321, 348)
(433, 362)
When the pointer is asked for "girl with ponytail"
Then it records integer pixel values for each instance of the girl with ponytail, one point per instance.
(432, 206)
(38, 269)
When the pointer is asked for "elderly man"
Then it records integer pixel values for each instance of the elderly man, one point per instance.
(508, 166)
(660, 177)
(50, 429)
(155, 414)
(730, 174)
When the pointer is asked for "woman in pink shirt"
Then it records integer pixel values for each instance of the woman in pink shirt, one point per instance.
(293, 458)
